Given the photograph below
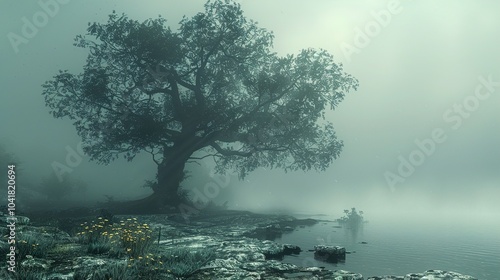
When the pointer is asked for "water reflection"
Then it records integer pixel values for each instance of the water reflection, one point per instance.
(352, 222)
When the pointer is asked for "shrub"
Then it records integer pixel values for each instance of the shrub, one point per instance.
(127, 237)
(134, 238)
(147, 267)
(352, 218)
(94, 232)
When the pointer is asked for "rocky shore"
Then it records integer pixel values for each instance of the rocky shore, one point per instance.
(235, 245)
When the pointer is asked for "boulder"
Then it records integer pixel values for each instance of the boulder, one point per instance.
(332, 254)
(289, 249)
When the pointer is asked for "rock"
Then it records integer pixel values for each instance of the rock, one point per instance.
(332, 254)
(427, 275)
(288, 228)
(47, 233)
(385, 277)
(19, 220)
(289, 249)
(322, 273)
(313, 268)
(36, 263)
(272, 251)
(441, 274)
(269, 232)
(346, 275)
(272, 265)
(300, 275)
(230, 263)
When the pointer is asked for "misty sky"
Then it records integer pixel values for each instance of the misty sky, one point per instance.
(419, 65)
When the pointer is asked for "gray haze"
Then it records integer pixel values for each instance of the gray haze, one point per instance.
(421, 61)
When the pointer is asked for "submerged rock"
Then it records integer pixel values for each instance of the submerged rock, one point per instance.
(289, 249)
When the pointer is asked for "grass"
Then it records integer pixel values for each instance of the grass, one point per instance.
(127, 238)
(33, 244)
(183, 262)
(98, 247)
(22, 273)
(130, 270)
(112, 271)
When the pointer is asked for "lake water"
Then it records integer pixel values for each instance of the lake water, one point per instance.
(398, 248)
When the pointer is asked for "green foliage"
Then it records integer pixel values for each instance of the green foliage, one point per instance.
(183, 262)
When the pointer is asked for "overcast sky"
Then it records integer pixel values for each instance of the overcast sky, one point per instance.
(423, 68)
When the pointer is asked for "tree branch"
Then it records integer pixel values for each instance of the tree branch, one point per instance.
(226, 152)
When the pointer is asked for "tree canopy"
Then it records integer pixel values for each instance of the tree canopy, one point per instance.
(212, 88)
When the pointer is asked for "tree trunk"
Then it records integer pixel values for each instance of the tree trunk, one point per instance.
(169, 176)
(165, 192)
(171, 173)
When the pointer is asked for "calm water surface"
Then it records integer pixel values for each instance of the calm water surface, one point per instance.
(398, 248)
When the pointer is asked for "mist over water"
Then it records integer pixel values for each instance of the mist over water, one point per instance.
(445, 202)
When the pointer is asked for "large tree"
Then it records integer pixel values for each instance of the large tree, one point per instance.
(213, 88)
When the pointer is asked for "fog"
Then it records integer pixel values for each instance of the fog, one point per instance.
(420, 134)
